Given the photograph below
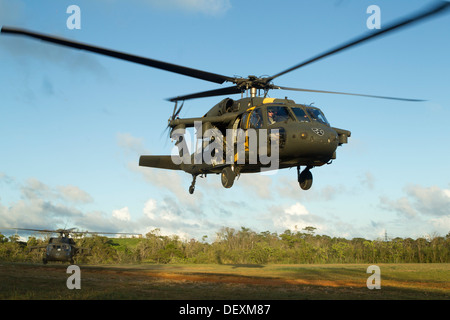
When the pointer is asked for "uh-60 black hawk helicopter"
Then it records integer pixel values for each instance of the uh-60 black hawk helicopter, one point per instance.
(63, 248)
(299, 136)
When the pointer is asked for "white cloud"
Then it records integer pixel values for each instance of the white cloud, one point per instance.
(150, 209)
(131, 144)
(35, 189)
(165, 211)
(447, 192)
(368, 180)
(441, 225)
(422, 210)
(257, 183)
(122, 214)
(402, 206)
(176, 182)
(432, 200)
(99, 221)
(296, 209)
(41, 206)
(294, 217)
(297, 216)
(207, 7)
(74, 194)
(289, 188)
(425, 201)
(171, 218)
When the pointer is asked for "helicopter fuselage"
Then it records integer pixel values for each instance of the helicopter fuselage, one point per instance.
(275, 134)
(60, 249)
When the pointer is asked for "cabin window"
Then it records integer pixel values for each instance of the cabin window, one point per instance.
(277, 114)
(300, 114)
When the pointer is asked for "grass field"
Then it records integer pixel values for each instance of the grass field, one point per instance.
(20, 281)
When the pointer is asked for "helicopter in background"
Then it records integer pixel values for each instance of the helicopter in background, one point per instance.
(63, 247)
(299, 136)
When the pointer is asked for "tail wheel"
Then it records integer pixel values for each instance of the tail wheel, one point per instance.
(228, 177)
(305, 179)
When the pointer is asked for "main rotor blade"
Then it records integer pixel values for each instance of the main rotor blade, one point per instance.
(210, 93)
(93, 232)
(346, 93)
(396, 25)
(26, 229)
(208, 76)
(68, 231)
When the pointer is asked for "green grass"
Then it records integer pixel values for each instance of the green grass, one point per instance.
(122, 243)
(208, 282)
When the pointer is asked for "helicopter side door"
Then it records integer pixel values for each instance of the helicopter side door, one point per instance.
(277, 117)
(251, 123)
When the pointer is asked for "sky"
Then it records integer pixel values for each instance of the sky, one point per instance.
(73, 124)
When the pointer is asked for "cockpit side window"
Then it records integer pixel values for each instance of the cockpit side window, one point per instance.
(244, 120)
(256, 119)
(252, 119)
(316, 114)
(300, 114)
(277, 114)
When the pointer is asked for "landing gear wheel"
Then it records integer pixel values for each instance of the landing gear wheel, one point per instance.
(228, 177)
(305, 179)
(191, 189)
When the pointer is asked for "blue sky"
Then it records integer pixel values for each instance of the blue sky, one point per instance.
(73, 124)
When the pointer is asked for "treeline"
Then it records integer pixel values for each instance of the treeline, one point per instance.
(242, 246)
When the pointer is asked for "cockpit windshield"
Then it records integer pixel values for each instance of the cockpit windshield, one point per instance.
(277, 114)
(316, 114)
(300, 114)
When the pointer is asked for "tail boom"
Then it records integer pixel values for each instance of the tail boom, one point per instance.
(162, 162)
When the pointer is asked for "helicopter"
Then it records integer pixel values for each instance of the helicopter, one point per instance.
(62, 248)
(253, 133)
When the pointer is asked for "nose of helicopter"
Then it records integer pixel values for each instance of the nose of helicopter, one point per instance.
(318, 142)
